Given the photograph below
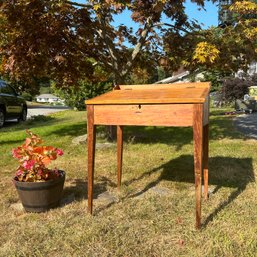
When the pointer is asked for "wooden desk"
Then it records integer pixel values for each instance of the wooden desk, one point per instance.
(153, 105)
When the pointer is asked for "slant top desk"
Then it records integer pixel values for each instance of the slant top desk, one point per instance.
(182, 104)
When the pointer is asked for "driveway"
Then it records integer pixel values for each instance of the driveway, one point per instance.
(247, 124)
(44, 110)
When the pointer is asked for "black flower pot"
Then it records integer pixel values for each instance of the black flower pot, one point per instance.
(40, 196)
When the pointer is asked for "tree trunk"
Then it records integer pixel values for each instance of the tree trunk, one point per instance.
(111, 133)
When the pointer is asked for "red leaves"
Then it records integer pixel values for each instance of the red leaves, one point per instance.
(16, 153)
(33, 159)
(27, 142)
(59, 152)
(39, 40)
(28, 164)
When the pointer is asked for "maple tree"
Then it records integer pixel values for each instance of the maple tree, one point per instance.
(38, 40)
(227, 48)
(58, 38)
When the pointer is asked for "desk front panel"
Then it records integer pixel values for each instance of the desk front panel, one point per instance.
(178, 115)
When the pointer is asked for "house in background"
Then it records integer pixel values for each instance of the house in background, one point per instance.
(181, 75)
(48, 98)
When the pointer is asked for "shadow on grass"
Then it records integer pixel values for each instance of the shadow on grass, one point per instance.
(77, 129)
(11, 142)
(224, 172)
(220, 127)
(78, 188)
(151, 135)
(34, 122)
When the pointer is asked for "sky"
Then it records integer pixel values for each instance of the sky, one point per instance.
(207, 18)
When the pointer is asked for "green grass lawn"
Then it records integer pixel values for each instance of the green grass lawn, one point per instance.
(140, 222)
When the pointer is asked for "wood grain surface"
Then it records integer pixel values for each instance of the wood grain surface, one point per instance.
(145, 114)
(91, 136)
(198, 159)
(151, 94)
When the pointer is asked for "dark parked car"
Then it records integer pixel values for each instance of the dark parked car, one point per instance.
(12, 106)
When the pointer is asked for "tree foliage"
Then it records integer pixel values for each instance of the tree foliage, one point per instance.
(57, 38)
(216, 79)
(226, 49)
(75, 96)
(38, 39)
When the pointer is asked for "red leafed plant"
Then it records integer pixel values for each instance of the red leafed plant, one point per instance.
(33, 160)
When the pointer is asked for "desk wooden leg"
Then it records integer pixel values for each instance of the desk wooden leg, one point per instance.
(119, 153)
(91, 134)
(205, 159)
(198, 156)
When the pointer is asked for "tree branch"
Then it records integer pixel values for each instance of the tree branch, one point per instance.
(139, 45)
(170, 25)
(78, 4)
(104, 59)
(109, 44)
(148, 26)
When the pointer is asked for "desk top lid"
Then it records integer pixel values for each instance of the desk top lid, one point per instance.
(155, 94)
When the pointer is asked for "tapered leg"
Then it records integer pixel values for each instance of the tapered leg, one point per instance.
(91, 134)
(205, 159)
(198, 157)
(119, 153)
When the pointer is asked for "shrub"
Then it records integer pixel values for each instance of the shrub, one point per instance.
(254, 80)
(27, 96)
(235, 88)
(75, 97)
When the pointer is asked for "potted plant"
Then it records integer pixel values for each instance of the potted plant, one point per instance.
(39, 187)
